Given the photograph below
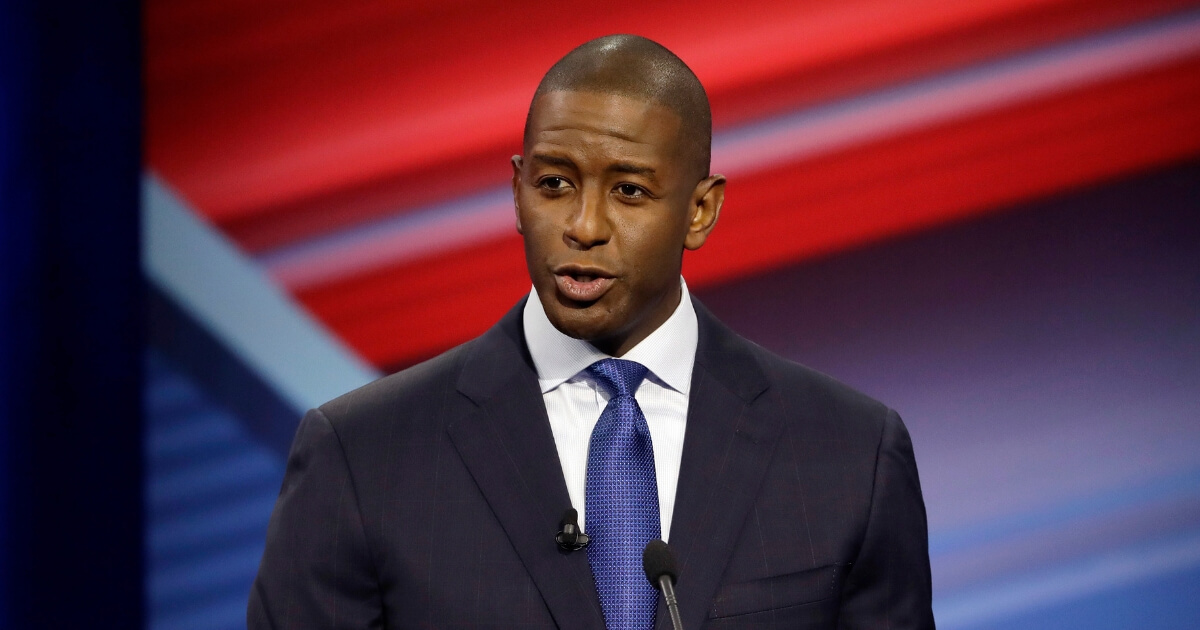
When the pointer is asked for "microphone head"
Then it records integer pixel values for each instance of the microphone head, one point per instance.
(569, 537)
(658, 561)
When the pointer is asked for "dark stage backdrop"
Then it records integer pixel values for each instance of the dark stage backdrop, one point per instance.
(71, 326)
(981, 213)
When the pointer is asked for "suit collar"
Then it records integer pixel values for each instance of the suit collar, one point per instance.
(503, 345)
(728, 358)
(669, 352)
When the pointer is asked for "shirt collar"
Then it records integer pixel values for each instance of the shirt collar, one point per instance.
(669, 352)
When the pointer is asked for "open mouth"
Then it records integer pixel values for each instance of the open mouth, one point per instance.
(582, 286)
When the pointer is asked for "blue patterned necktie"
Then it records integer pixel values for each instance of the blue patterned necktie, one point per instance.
(622, 499)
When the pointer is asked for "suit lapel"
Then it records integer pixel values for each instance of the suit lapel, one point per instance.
(507, 445)
(727, 447)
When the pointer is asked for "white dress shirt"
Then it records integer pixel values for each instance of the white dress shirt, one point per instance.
(574, 399)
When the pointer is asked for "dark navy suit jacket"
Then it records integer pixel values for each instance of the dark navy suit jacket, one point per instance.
(430, 499)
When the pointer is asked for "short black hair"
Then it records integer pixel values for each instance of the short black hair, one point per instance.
(636, 67)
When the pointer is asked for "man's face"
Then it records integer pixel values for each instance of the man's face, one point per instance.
(607, 201)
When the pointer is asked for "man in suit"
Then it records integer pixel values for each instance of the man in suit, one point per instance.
(431, 498)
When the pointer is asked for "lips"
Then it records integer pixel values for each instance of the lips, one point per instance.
(582, 284)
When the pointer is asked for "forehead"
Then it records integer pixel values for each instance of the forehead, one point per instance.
(591, 122)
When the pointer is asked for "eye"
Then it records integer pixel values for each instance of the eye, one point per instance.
(553, 183)
(631, 191)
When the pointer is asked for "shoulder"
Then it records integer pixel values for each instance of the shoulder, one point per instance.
(421, 399)
(809, 400)
(434, 383)
(413, 385)
(411, 406)
(799, 385)
(399, 417)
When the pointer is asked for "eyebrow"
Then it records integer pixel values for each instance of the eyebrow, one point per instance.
(633, 169)
(619, 167)
(555, 160)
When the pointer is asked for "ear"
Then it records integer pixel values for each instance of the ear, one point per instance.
(516, 187)
(706, 207)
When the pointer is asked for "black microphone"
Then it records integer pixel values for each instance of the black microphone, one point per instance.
(569, 537)
(659, 563)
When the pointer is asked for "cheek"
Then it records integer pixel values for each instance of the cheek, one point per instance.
(656, 256)
(533, 227)
(538, 216)
(656, 239)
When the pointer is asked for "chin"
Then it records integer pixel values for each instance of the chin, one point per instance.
(579, 323)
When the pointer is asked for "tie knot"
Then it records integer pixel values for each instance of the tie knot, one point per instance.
(618, 376)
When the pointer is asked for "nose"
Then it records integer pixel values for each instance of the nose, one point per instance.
(588, 225)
